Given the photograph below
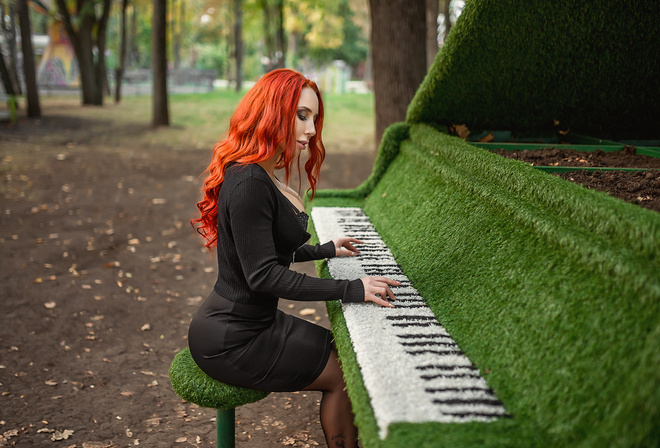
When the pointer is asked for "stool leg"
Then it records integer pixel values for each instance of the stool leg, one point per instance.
(225, 423)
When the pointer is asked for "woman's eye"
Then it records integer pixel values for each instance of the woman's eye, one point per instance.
(302, 117)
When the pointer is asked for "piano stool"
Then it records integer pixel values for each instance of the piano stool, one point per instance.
(195, 386)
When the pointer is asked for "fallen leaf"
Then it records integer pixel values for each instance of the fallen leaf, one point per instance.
(42, 430)
(134, 241)
(147, 372)
(61, 435)
(51, 383)
(11, 433)
(487, 138)
(127, 393)
(129, 433)
(307, 311)
(145, 327)
(181, 440)
(50, 305)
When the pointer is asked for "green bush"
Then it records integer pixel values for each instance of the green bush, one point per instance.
(520, 65)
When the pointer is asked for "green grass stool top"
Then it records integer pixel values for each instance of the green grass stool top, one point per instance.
(195, 386)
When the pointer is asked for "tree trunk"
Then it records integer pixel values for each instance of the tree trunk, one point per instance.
(10, 36)
(133, 52)
(432, 12)
(119, 72)
(238, 43)
(280, 40)
(33, 107)
(160, 116)
(398, 43)
(268, 34)
(100, 73)
(5, 77)
(176, 36)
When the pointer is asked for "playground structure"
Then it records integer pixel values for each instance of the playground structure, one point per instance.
(550, 289)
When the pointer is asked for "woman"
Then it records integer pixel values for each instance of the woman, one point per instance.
(258, 224)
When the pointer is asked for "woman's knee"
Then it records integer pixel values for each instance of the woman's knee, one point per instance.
(331, 378)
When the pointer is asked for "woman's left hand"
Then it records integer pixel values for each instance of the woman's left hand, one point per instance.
(344, 247)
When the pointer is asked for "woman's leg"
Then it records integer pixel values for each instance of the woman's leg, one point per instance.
(336, 413)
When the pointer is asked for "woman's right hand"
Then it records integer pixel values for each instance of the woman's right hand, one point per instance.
(377, 290)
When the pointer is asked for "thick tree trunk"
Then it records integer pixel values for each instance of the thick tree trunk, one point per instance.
(33, 107)
(398, 43)
(238, 43)
(119, 72)
(160, 115)
(432, 12)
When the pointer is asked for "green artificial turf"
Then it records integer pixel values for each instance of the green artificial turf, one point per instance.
(520, 65)
(552, 290)
(195, 386)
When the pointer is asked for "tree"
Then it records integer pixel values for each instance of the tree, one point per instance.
(119, 71)
(273, 13)
(160, 110)
(238, 43)
(87, 33)
(33, 107)
(9, 30)
(398, 44)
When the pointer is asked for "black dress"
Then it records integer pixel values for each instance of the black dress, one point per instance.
(238, 336)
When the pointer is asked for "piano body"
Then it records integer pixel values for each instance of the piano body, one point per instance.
(529, 313)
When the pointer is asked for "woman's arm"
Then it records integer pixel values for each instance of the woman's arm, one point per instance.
(251, 213)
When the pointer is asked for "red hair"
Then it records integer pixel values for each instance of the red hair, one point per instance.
(264, 120)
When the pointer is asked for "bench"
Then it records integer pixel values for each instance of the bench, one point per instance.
(194, 386)
(551, 290)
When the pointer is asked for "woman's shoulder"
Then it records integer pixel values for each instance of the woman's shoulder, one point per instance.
(250, 178)
(237, 173)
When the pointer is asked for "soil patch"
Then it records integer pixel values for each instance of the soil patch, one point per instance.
(637, 187)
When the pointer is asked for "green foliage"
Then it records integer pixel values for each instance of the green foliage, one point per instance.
(519, 65)
(212, 56)
(549, 288)
(195, 386)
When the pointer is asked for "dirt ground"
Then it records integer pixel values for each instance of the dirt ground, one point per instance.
(637, 187)
(101, 273)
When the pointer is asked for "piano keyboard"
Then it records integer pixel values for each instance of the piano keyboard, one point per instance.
(411, 367)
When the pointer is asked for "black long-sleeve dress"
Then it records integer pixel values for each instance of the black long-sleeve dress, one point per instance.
(238, 336)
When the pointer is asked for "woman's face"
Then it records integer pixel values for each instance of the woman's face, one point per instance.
(308, 110)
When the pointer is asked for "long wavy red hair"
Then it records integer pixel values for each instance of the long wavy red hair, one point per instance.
(264, 120)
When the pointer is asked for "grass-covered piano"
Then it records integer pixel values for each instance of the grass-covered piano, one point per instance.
(530, 310)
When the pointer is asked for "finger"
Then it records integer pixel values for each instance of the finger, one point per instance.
(376, 299)
(390, 294)
(388, 281)
(350, 247)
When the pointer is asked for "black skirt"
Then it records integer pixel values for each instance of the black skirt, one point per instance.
(257, 346)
